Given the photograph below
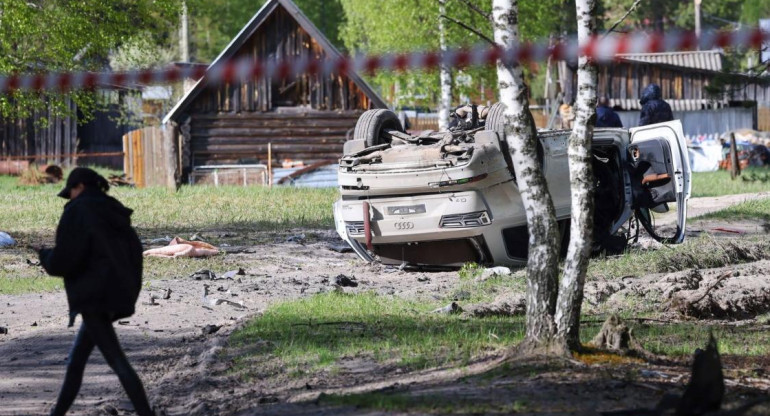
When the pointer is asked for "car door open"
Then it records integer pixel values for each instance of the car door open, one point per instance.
(660, 174)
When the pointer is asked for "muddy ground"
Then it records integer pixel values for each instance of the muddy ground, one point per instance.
(186, 372)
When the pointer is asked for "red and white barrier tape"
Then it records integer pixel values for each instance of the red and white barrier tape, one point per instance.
(601, 49)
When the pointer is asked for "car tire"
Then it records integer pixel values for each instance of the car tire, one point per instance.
(371, 123)
(496, 122)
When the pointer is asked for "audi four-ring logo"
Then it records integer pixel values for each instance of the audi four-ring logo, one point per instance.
(404, 225)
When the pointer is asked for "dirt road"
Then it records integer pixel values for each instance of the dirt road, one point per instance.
(165, 339)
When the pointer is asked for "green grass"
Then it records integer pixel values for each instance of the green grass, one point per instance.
(700, 252)
(719, 183)
(423, 404)
(680, 339)
(318, 332)
(757, 209)
(30, 214)
(193, 208)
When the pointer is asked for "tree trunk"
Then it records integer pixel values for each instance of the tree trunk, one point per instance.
(520, 132)
(581, 183)
(445, 72)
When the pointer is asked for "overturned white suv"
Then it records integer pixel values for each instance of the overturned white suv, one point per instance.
(448, 198)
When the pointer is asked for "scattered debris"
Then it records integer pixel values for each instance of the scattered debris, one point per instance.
(34, 323)
(614, 335)
(3, 330)
(494, 271)
(208, 301)
(6, 240)
(210, 329)
(161, 240)
(299, 239)
(204, 274)
(166, 294)
(110, 410)
(238, 250)
(509, 305)
(183, 248)
(340, 247)
(120, 180)
(345, 281)
(232, 273)
(451, 309)
(423, 278)
(152, 300)
(34, 263)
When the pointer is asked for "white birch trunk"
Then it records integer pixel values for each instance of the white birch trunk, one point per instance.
(581, 183)
(520, 132)
(184, 44)
(445, 72)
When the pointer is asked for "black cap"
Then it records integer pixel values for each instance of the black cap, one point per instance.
(87, 177)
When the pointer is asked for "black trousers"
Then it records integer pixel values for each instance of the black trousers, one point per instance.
(97, 330)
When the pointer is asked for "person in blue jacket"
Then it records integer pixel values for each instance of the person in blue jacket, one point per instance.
(606, 116)
(654, 109)
(99, 255)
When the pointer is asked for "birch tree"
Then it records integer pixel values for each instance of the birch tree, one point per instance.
(445, 72)
(521, 136)
(553, 309)
(581, 185)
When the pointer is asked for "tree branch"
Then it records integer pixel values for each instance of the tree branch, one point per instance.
(615, 25)
(466, 27)
(478, 10)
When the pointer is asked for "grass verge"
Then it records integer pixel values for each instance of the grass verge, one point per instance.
(423, 404)
(318, 332)
(719, 183)
(757, 209)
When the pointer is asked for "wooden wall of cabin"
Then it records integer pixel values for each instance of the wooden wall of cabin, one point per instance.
(308, 136)
(281, 38)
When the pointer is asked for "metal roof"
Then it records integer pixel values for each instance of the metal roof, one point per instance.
(707, 60)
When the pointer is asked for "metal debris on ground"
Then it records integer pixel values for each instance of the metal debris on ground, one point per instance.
(451, 309)
(204, 274)
(340, 247)
(6, 240)
(232, 273)
(494, 271)
(299, 238)
(209, 301)
(210, 329)
(345, 281)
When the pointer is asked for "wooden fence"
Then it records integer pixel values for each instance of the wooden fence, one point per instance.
(150, 156)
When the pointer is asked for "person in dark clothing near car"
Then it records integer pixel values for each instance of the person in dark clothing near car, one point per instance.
(99, 256)
(654, 109)
(606, 116)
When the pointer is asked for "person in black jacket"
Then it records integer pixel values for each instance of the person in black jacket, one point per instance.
(654, 109)
(99, 256)
(606, 116)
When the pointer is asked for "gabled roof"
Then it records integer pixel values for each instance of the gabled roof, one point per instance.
(245, 34)
(705, 60)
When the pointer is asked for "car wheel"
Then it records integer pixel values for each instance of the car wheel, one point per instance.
(371, 123)
(495, 121)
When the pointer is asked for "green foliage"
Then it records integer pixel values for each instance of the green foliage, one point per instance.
(214, 23)
(412, 25)
(470, 271)
(46, 35)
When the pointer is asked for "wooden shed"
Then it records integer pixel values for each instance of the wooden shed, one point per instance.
(306, 118)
